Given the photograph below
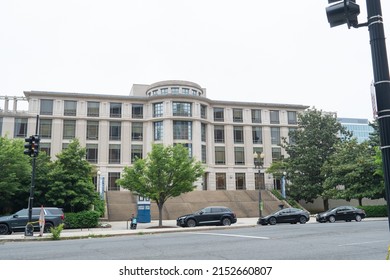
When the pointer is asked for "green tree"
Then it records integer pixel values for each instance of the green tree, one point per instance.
(312, 143)
(166, 172)
(71, 185)
(15, 174)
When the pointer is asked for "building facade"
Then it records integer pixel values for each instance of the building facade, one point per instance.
(360, 128)
(224, 135)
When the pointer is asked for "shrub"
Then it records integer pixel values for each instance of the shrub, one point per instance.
(56, 231)
(375, 210)
(84, 219)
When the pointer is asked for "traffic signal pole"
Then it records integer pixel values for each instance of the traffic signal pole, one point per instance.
(382, 86)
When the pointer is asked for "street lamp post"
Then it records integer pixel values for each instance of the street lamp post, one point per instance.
(259, 160)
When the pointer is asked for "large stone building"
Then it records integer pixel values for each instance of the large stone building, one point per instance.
(115, 129)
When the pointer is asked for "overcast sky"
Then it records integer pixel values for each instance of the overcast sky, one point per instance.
(249, 50)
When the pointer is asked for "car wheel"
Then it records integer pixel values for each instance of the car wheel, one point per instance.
(4, 229)
(331, 219)
(302, 220)
(272, 221)
(358, 218)
(191, 223)
(226, 222)
(47, 227)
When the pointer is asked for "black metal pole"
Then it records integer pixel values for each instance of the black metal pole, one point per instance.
(382, 86)
(260, 201)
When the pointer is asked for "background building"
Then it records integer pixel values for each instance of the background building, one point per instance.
(359, 127)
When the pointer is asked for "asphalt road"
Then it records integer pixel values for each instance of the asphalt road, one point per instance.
(367, 240)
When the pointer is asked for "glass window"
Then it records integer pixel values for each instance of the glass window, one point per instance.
(181, 109)
(219, 114)
(164, 91)
(186, 91)
(158, 131)
(92, 153)
(69, 129)
(256, 116)
(203, 111)
(240, 181)
(259, 180)
(20, 127)
(115, 130)
(219, 134)
(274, 116)
(136, 152)
(220, 155)
(194, 92)
(45, 147)
(92, 130)
(292, 117)
(137, 111)
(114, 153)
(203, 132)
(70, 108)
(220, 181)
(275, 135)
(46, 107)
(291, 138)
(237, 115)
(112, 178)
(158, 110)
(115, 110)
(137, 131)
(45, 128)
(93, 109)
(239, 156)
(175, 90)
(182, 130)
(257, 135)
(204, 154)
(276, 153)
(238, 134)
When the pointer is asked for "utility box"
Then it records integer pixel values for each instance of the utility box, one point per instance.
(143, 209)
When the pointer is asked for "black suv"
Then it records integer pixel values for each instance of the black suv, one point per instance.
(213, 215)
(19, 220)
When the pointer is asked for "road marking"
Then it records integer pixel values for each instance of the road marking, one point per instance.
(230, 235)
(361, 243)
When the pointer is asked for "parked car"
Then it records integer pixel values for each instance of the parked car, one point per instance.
(18, 221)
(286, 215)
(341, 213)
(213, 215)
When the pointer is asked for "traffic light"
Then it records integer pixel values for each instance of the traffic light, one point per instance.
(345, 11)
(35, 145)
(32, 146)
(28, 146)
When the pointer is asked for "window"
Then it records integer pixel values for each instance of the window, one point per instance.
(240, 181)
(182, 130)
(115, 130)
(186, 91)
(164, 91)
(220, 179)
(92, 130)
(219, 134)
(237, 115)
(158, 110)
(203, 131)
(45, 147)
(274, 116)
(20, 127)
(136, 152)
(92, 153)
(220, 155)
(112, 177)
(137, 131)
(137, 111)
(70, 108)
(203, 111)
(291, 132)
(204, 154)
(69, 129)
(115, 110)
(45, 128)
(219, 114)
(195, 92)
(114, 153)
(256, 116)
(239, 156)
(181, 109)
(46, 107)
(93, 109)
(175, 90)
(275, 135)
(257, 135)
(276, 153)
(158, 131)
(292, 117)
(238, 134)
(259, 180)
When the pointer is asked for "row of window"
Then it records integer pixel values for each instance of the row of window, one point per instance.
(174, 90)
(178, 109)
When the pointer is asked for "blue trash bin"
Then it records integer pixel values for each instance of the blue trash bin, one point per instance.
(143, 210)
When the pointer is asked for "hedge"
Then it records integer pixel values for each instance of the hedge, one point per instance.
(84, 219)
(375, 210)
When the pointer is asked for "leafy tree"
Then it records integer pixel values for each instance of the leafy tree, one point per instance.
(350, 173)
(313, 142)
(166, 172)
(71, 185)
(15, 174)
(43, 167)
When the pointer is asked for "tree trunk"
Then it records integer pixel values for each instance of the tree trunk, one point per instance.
(360, 201)
(160, 209)
(326, 204)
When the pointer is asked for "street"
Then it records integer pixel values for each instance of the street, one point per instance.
(367, 240)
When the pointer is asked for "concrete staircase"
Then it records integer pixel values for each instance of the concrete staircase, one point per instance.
(121, 204)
